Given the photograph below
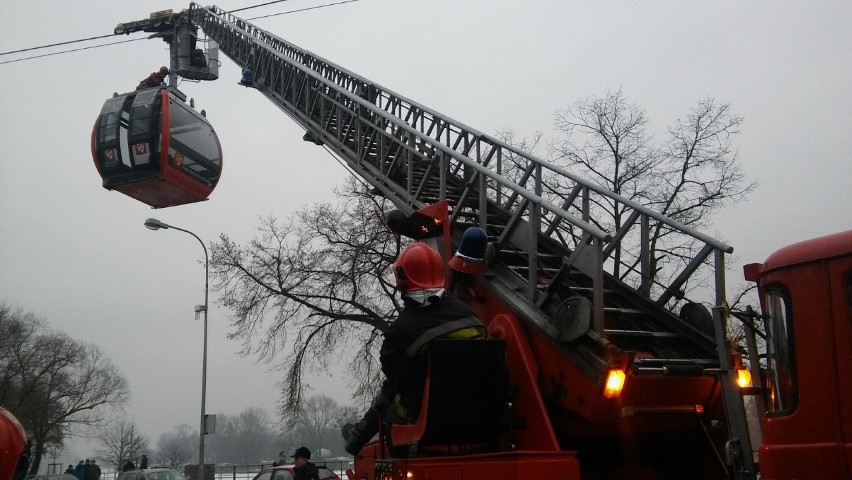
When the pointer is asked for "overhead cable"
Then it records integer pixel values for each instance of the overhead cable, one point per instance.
(302, 9)
(72, 50)
(135, 39)
(256, 6)
(57, 44)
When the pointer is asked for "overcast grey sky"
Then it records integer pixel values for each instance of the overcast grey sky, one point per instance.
(79, 255)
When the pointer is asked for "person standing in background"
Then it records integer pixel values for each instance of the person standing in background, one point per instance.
(80, 471)
(96, 470)
(304, 470)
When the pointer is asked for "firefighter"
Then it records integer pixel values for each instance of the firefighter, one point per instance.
(155, 79)
(247, 79)
(14, 458)
(197, 58)
(470, 256)
(427, 314)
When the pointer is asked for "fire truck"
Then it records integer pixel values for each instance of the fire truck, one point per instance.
(595, 367)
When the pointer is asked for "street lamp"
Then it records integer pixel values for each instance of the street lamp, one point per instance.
(154, 224)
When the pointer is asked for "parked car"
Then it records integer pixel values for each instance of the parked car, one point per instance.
(151, 474)
(52, 476)
(286, 472)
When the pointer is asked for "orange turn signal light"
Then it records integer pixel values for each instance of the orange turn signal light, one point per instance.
(614, 383)
(743, 377)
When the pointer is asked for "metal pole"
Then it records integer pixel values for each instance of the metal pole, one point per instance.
(201, 430)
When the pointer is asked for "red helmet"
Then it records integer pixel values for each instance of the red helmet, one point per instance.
(13, 441)
(419, 267)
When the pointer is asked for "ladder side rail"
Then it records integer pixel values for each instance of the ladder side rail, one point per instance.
(450, 134)
(348, 79)
(398, 104)
(641, 240)
(339, 99)
(674, 289)
(414, 133)
(535, 229)
(635, 240)
(621, 232)
(567, 202)
(328, 102)
(645, 257)
(738, 447)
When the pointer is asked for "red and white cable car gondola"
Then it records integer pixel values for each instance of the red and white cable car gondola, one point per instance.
(151, 146)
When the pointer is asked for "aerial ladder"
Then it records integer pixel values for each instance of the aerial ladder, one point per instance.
(570, 311)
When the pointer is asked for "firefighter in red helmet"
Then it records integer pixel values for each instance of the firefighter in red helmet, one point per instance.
(428, 314)
(154, 79)
(13, 444)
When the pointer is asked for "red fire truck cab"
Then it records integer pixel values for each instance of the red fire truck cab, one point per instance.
(806, 297)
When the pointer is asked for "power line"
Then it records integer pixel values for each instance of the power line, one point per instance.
(56, 44)
(72, 50)
(136, 39)
(301, 9)
(256, 6)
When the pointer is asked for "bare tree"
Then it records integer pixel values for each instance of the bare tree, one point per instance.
(251, 434)
(121, 442)
(319, 425)
(52, 382)
(245, 438)
(691, 175)
(175, 449)
(606, 139)
(319, 282)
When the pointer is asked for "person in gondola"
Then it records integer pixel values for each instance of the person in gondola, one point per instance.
(155, 79)
(197, 58)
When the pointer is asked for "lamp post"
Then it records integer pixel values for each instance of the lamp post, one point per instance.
(154, 224)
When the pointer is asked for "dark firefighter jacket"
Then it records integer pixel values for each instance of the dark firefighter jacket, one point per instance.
(401, 356)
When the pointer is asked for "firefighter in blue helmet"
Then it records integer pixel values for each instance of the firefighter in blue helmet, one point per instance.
(470, 256)
(247, 78)
(428, 314)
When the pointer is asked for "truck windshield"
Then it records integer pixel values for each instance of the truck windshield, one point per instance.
(779, 352)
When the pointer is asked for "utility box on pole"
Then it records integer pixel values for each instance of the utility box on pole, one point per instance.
(209, 425)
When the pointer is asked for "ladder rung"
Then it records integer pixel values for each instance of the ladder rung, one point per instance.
(661, 362)
(628, 311)
(641, 333)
